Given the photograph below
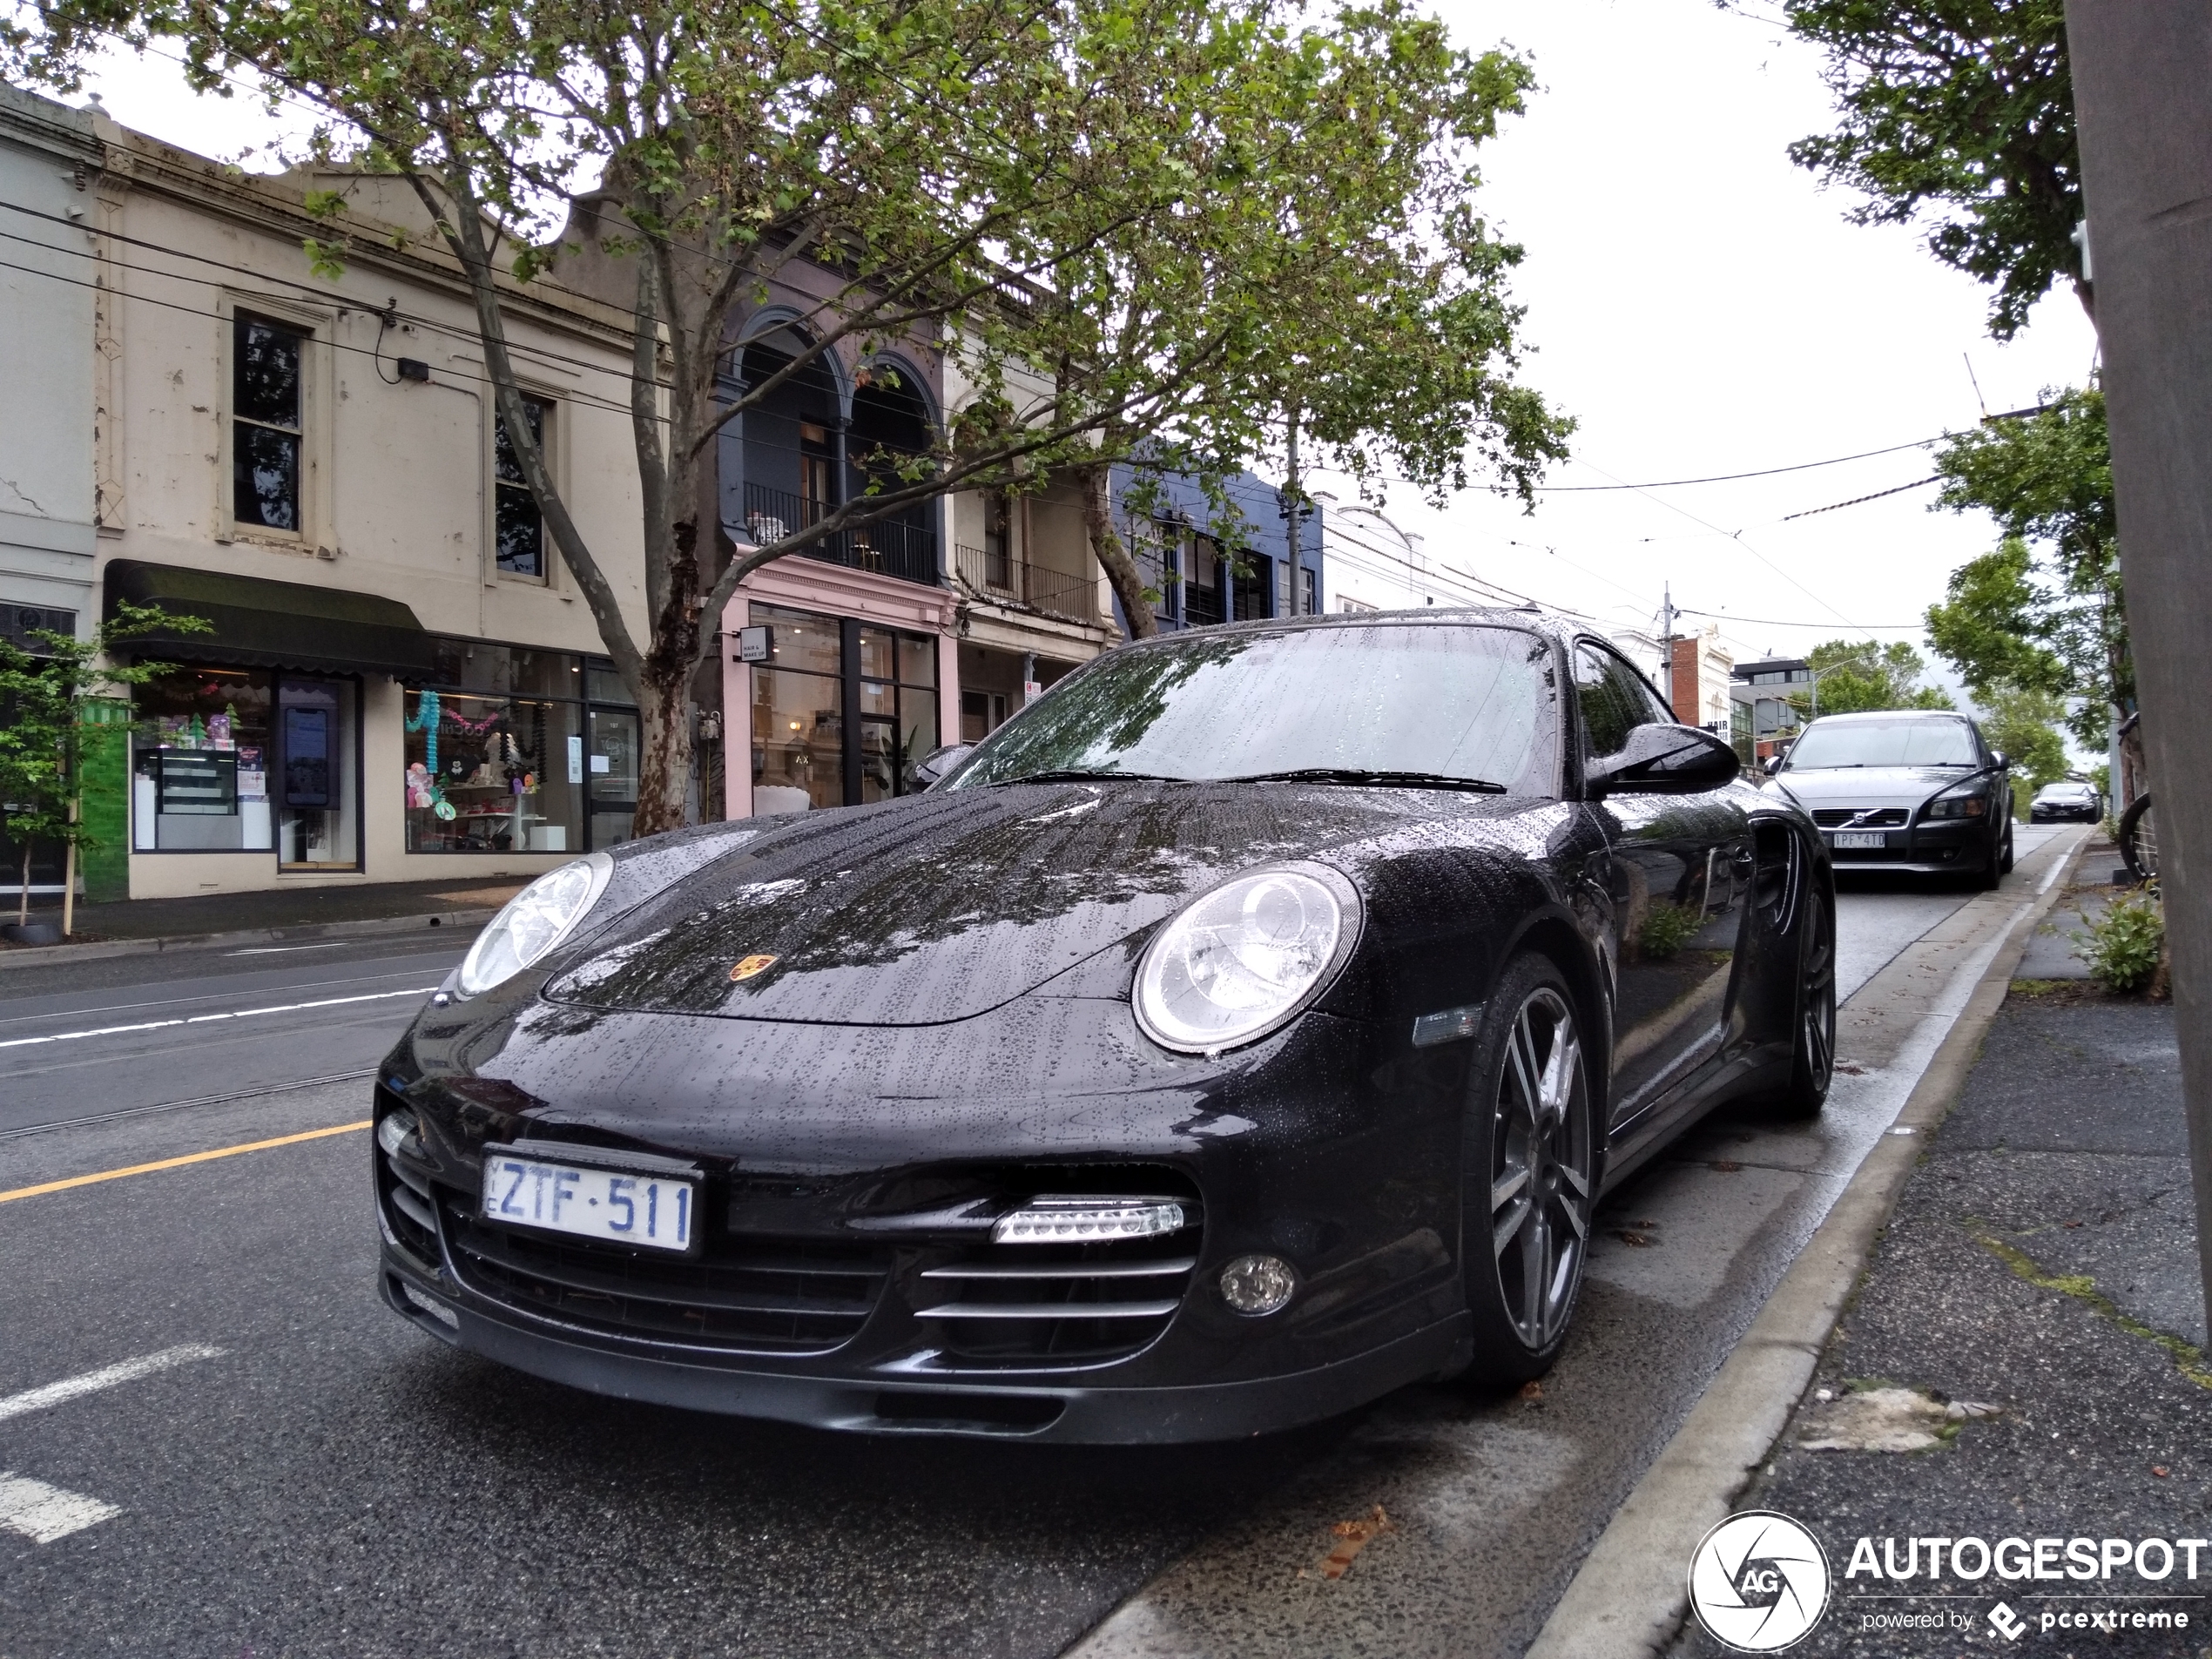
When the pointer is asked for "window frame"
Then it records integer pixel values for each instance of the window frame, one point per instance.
(314, 534)
(550, 432)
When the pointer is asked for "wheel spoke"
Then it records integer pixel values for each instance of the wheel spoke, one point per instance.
(1524, 1056)
(1502, 1230)
(1535, 1275)
(1575, 1219)
(1559, 1074)
(1574, 1179)
(1505, 1186)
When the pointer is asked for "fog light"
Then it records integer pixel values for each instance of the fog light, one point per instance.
(1258, 1285)
(1055, 1220)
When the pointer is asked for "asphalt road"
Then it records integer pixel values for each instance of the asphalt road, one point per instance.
(291, 1469)
(122, 1033)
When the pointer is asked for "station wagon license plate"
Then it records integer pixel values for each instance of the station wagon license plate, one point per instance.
(1856, 841)
(644, 1212)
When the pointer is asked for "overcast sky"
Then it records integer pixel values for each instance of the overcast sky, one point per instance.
(1694, 301)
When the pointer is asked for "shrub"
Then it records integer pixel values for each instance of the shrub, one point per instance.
(2123, 945)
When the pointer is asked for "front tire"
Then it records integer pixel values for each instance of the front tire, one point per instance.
(2005, 867)
(1530, 1186)
(1812, 1058)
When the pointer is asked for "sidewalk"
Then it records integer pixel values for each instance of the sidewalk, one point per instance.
(2026, 1348)
(282, 910)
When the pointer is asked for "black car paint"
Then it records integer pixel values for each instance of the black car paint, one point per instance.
(949, 1023)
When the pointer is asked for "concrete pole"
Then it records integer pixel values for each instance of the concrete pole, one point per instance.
(2141, 71)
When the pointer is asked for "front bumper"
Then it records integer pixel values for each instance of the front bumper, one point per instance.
(1311, 1146)
(1069, 1413)
(1951, 844)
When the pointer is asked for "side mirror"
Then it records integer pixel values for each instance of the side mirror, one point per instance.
(927, 771)
(1771, 764)
(1663, 760)
(2000, 761)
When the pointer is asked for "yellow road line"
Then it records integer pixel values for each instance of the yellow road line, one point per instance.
(173, 1163)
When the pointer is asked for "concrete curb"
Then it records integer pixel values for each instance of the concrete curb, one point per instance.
(1630, 1598)
(378, 927)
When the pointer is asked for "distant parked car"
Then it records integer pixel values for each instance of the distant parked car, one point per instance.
(2056, 803)
(1904, 790)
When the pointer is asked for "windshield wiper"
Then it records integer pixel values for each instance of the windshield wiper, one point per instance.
(1079, 775)
(1384, 779)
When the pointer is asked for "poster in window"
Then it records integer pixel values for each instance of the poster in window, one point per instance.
(306, 757)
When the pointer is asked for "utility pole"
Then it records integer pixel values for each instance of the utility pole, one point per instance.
(1294, 511)
(2140, 68)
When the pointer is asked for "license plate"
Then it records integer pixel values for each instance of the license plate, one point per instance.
(1850, 840)
(646, 1211)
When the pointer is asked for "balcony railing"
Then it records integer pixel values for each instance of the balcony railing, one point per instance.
(893, 547)
(1002, 579)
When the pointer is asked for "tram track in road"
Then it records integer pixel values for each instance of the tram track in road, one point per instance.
(202, 1028)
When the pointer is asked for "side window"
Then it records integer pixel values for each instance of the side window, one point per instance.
(1609, 702)
(266, 405)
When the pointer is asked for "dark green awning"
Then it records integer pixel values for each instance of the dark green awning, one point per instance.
(260, 624)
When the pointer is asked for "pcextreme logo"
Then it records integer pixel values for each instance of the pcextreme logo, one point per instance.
(1758, 1581)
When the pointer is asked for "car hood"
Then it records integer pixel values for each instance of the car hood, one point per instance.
(939, 908)
(1869, 785)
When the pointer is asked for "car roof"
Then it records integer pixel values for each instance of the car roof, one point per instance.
(1862, 715)
(1528, 618)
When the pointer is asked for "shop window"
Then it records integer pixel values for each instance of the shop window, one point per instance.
(267, 398)
(519, 528)
(839, 711)
(247, 760)
(898, 722)
(311, 780)
(494, 774)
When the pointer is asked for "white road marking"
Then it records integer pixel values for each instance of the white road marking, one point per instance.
(43, 1513)
(92, 1382)
(202, 996)
(203, 1019)
(279, 950)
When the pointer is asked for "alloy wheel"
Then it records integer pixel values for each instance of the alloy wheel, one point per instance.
(1541, 1176)
(1817, 1006)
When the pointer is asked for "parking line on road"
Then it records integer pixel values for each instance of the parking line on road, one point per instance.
(55, 1393)
(203, 1019)
(177, 1163)
(42, 1513)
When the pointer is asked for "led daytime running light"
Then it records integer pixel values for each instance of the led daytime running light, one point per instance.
(1082, 1221)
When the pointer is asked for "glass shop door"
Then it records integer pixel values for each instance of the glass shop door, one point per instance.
(610, 746)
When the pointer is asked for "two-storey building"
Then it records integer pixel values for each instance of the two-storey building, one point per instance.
(400, 683)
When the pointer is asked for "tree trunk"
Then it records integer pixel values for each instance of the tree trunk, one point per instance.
(68, 877)
(1096, 483)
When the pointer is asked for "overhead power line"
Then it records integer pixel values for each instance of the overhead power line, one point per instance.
(1898, 490)
(1764, 472)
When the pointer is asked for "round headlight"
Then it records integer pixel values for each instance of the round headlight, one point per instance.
(533, 921)
(1240, 961)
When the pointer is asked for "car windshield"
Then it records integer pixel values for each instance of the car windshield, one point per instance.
(1465, 702)
(1883, 743)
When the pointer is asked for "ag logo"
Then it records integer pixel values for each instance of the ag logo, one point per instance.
(1758, 1581)
(751, 968)
(2008, 1623)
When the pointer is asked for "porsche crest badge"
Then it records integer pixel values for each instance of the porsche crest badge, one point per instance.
(751, 968)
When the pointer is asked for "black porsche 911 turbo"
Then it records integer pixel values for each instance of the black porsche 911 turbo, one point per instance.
(1246, 1028)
